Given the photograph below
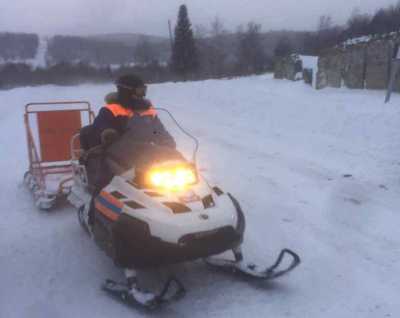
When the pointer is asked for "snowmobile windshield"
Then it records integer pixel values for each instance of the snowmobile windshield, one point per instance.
(186, 143)
(148, 141)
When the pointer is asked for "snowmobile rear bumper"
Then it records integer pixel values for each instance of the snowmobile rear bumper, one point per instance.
(134, 246)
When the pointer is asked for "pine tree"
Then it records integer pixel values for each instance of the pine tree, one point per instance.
(145, 52)
(184, 53)
(251, 57)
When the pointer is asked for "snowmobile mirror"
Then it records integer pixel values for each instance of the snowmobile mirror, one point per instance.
(108, 136)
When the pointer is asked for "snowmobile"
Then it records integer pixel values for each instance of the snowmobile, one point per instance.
(157, 210)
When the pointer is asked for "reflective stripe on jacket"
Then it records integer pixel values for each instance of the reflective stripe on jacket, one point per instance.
(118, 110)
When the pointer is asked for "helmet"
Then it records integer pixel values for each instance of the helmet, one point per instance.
(131, 92)
(131, 84)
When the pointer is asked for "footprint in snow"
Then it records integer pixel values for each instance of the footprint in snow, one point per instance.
(353, 201)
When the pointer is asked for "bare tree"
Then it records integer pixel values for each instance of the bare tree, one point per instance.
(217, 48)
(386, 20)
(358, 24)
(217, 28)
(251, 57)
(283, 48)
(145, 53)
(328, 34)
(200, 32)
(325, 23)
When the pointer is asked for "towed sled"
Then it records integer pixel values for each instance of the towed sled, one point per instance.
(49, 128)
(157, 209)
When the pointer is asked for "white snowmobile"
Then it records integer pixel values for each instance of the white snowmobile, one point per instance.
(159, 210)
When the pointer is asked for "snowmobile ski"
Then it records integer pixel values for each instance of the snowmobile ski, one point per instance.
(252, 271)
(143, 299)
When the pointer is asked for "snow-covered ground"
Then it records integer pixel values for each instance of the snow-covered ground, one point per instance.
(310, 62)
(283, 149)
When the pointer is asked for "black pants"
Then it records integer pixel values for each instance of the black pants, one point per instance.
(97, 170)
(99, 176)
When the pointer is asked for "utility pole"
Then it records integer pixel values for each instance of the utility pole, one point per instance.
(170, 35)
(394, 70)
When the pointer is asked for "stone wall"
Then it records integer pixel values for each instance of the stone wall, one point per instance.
(354, 66)
(379, 54)
(308, 76)
(358, 65)
(287, 67)
(330, 69)
(279, 69)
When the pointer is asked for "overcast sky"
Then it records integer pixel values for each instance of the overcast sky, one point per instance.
(151, 16)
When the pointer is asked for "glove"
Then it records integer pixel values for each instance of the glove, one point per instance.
(108, 136)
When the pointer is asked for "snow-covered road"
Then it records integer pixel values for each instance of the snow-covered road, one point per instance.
(282, 149)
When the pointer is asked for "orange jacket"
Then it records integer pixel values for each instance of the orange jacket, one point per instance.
(116, 117)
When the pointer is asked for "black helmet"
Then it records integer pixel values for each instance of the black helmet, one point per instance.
(131, 91)
(129, 82)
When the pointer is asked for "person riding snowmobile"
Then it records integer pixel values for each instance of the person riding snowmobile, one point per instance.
(119, 108)
(150, 206)
(126, 112)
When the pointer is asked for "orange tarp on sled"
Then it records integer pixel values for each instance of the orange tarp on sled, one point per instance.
(55, 131)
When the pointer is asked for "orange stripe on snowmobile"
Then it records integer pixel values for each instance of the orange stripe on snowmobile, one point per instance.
(108, 205)
(105, 211)
(110, 198)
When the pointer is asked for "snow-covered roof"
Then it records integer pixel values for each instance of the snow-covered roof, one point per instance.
(369, 38)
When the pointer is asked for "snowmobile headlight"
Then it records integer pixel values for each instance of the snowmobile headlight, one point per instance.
(172, 178)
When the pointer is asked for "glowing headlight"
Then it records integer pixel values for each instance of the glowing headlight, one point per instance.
(172, 178)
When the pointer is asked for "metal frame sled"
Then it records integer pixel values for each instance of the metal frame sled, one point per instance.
(49, 128)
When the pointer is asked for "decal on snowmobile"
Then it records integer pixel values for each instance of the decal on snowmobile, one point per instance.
(134, 205)
(108, 205)
(189, 197)
(177, 208)
(208, 201)
(153, 194)
(218, 191)
(118, 195)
